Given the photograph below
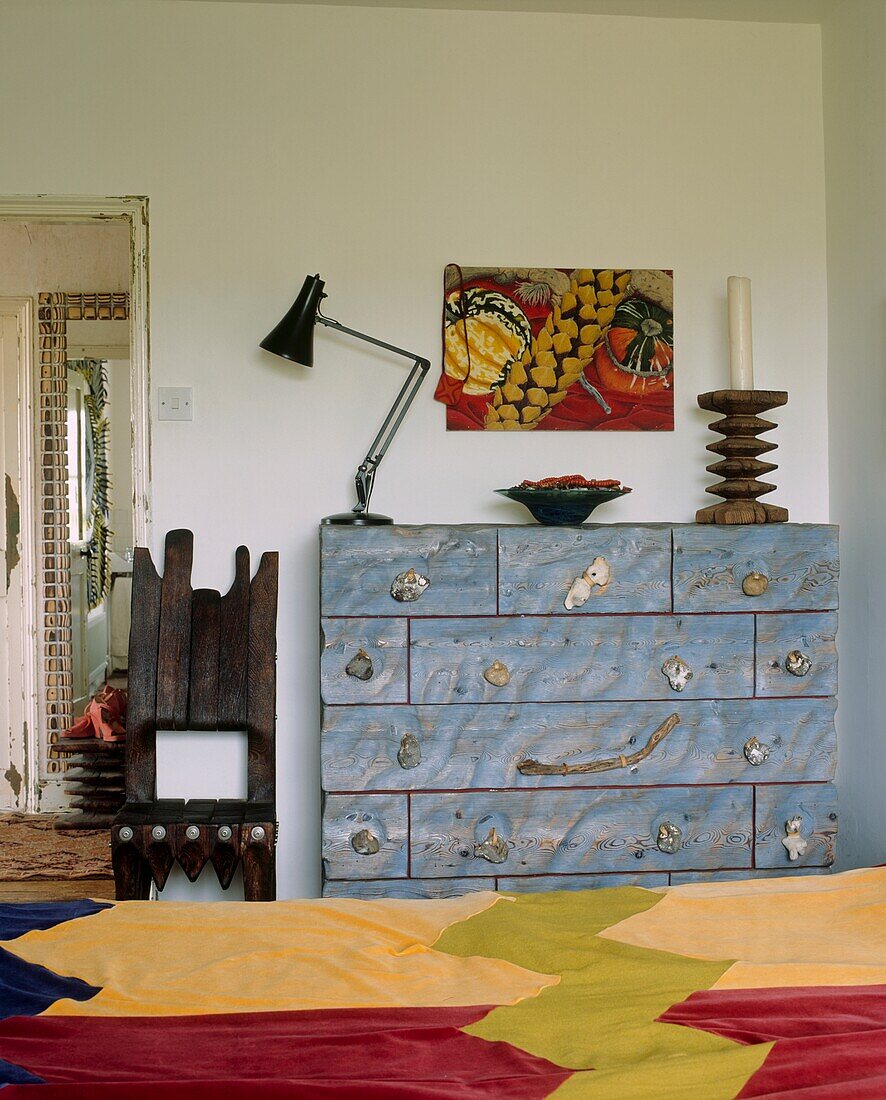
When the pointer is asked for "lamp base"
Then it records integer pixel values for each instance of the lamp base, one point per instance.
(356, 519)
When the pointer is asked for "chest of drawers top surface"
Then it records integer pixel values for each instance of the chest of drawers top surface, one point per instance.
(603, 632)
(489, 570)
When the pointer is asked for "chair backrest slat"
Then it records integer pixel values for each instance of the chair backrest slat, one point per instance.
(203, 700)
(201, 661)
(233, 654)
(261, 693)
(173, 666)
(141, 713)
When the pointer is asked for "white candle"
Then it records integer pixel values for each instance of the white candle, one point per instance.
(741, 352)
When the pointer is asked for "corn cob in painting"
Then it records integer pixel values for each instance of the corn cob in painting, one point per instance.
(540, 379)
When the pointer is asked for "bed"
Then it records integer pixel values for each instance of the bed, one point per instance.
(774, 987)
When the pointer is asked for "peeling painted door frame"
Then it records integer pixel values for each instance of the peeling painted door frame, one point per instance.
(20, 705)
(69, 209)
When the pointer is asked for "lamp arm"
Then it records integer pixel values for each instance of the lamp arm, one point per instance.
(365, 475)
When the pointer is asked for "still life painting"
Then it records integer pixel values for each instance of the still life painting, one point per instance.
(557, 349)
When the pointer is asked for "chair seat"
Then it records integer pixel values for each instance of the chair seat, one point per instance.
(196, 811)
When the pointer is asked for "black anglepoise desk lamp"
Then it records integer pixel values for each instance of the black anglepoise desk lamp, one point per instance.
(293, 339)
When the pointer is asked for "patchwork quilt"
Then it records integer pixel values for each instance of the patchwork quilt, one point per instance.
(773, 987)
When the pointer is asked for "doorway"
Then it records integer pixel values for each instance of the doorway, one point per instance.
(78, 469)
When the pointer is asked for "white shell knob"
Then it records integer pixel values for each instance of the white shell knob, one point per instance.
(192, 832)
(225, 832)
(257, 832)
(158, 832)
(126, 833)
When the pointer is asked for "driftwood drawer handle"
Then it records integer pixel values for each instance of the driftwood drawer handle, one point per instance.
(494, 849)
(409, 586)
(535, 767)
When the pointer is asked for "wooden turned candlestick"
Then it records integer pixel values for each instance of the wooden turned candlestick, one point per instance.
(741, 465)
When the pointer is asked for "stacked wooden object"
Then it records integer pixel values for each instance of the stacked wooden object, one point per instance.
(93, 778)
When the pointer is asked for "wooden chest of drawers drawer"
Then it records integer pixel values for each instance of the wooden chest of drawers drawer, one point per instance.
(716, 568)
(364, 660)
(797, 654)
(533, 832)
(366, 836)
(466, 720)
(466, 747)
(538, 565)
(596, 657)
(358, 570)
(814, 808)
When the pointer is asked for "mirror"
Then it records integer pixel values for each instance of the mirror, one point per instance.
(74, 458)
(100, 523)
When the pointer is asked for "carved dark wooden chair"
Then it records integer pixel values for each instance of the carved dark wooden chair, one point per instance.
(199, 661)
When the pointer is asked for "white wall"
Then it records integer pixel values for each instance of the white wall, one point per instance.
(374, 146)
(854, 58)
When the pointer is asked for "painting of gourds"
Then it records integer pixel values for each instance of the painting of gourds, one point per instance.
(557, 349)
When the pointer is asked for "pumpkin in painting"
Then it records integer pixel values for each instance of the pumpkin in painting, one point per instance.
(637, 353)
(484, 333)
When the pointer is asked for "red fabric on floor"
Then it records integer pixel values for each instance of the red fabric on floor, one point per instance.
(830, 1041)
(372, 1052)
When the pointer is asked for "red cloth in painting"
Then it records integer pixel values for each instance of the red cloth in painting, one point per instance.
(370, 1052)
(830, 1041)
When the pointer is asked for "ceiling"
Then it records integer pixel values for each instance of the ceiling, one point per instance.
(751, 11)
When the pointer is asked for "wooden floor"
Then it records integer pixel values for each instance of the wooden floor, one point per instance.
(57, 889)
(41, 863)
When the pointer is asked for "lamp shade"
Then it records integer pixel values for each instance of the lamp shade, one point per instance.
(293, 338)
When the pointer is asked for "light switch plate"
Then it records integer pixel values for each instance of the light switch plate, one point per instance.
(176, 402)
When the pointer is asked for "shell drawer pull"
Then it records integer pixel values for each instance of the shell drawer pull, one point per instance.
(494, 848)
(755, 584)
(534, 767)
(676, 672)
(755, 752)
(795, 844)
(597, 575)
(409, 753)
(409, 586)
(497, 674)
(797, 663)
(669, 838)
(360, 666)
(365, 843)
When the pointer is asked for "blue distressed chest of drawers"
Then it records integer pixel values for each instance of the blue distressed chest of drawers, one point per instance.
(548, 708)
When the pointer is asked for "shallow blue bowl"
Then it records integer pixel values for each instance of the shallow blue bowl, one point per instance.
(561, 507)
